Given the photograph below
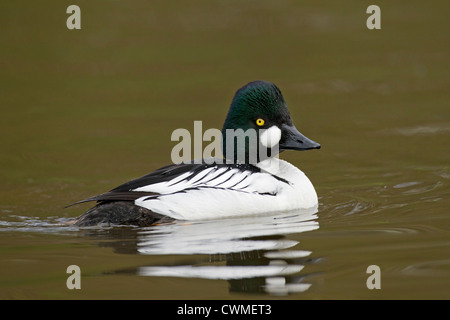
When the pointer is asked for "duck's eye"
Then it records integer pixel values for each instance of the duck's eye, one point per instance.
(260, 122)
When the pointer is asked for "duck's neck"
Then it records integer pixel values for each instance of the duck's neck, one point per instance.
(271, 165)
(281, 168)
(245, 146)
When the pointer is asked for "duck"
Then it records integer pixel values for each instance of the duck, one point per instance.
(249, 178)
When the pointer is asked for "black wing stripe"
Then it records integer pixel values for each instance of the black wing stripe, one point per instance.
(233, 175)
(201, 188)
(234, 185)
(202, 175)
(228, 179)
(214, 175)
(181, 180)
(124, 192)
(219, 176)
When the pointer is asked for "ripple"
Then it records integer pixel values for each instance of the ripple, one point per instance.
(396, 230)
(406, 184)
(430, 129)
(15, 223)
(348, 208)
(423, 189)
(435, 268)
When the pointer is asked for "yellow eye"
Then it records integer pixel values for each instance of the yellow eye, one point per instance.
(260, 122)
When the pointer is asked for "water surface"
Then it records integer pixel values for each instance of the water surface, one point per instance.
(84, 111)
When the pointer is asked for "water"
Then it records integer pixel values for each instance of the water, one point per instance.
(84, 111)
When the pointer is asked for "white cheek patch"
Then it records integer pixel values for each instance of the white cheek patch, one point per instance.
(270, 137)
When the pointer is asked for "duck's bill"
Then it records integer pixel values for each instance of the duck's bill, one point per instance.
(292, 139)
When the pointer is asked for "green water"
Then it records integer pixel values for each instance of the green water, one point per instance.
(83, 111)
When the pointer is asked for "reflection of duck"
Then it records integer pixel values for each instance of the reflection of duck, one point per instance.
(252, 184)
(257, 256)
(240, 234)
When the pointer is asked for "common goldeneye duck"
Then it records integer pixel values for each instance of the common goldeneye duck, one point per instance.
(249, 180)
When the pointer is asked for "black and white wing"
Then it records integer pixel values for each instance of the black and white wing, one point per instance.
(198, 191)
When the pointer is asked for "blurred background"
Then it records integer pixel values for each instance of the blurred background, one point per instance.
(83, 111)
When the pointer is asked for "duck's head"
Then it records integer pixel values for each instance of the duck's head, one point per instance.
(258, 125)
